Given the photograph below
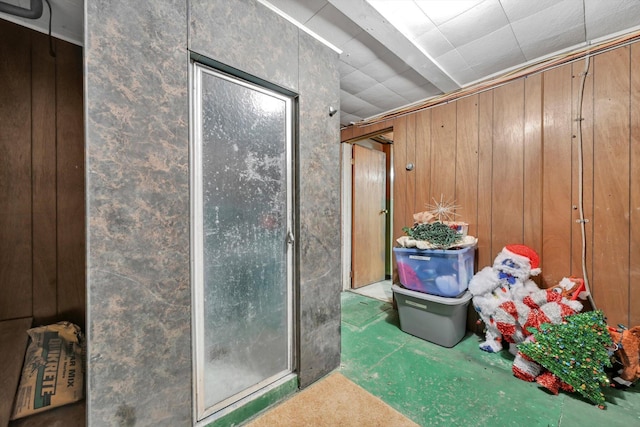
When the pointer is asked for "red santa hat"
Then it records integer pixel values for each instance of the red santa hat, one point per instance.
(525, 252)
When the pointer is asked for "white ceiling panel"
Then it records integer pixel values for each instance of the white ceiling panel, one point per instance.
(541, 46)
(434, 43)
(357, 82)
(493, 52)
(336, 28)
(421, 93)
(550, 30)
(344, 68)
(403, 84)
(380, 95)
(605, 17)
(458, 67)
(477, 22)
(405, 15)
(382, 70)
(349, 102)
(518, 9)
(441, 11)
(551, 21)
(360, 50)
(347, 118)
(370, 111)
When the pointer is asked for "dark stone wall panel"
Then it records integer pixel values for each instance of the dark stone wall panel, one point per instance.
(319, 211)
(246, 35)
(139, 296)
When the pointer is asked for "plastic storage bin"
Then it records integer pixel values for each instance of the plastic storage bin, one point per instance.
(440, 320)
(439, 272)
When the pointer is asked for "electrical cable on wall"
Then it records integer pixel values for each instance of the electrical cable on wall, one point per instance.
(582, 220)
(34, 12)
(52, 51)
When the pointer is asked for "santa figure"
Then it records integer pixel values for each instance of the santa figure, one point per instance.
(498, 292)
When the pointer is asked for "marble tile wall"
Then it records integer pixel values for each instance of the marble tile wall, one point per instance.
(137, 151)
(245, 35)
(137, 154)
(319, 211)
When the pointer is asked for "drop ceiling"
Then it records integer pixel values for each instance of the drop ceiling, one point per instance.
(395, 53)
(390, 59)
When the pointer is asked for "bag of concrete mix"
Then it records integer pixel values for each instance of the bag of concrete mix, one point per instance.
(53, 370)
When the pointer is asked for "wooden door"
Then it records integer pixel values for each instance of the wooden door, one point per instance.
(369, 217)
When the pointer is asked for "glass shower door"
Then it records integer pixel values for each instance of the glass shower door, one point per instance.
(242, 220)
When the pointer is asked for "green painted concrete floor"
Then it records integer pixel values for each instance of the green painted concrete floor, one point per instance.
(459, 386)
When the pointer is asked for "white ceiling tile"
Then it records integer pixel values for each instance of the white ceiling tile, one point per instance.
(391, 39)
(300, 10)
(545, 46)
(550, 30)
(434, 43)
(380, 95)
(406, 83)
(484, 53)
(500, 62)
(490, 36)
(357, 51)
(475, 23)
(455, 65)
(518, 9)
(356, 82)
(370, 111)
(441, 11)
(333, 26)
(350, 103)
(465, 76)
(611, 16)
(421, 93)
(388, 104)
(346, 119)
(344, 68)
(550, 22)
(382, 70)
(404, 15)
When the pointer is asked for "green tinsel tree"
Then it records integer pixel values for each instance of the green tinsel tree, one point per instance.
(575, 351)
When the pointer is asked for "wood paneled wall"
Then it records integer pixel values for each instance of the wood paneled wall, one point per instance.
(42, 197)
(510, 158)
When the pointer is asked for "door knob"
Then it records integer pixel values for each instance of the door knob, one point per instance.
(384, 211)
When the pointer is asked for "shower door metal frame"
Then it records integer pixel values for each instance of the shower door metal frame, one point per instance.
(198, 68)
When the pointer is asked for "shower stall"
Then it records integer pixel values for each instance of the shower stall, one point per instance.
(242, 237)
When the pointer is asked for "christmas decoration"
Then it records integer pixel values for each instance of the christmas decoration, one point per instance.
(575, 351)
(443, 210)
(437, 233)
(543, 306)
(498, 292)
(429, 231)
(626, 353)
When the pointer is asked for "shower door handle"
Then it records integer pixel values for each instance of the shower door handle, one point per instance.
(290, 238)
